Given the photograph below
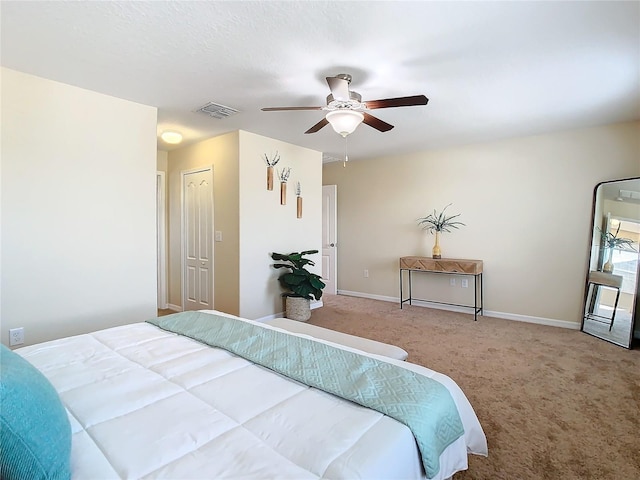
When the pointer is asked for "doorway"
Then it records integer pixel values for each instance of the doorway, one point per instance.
(197, 239)
(161, 238)
(329, 239)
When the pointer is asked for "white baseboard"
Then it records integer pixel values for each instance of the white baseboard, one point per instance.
(313, 305)
(175, 308)
(453, 308)
(368, 295)
(270, 317)
(552, 322)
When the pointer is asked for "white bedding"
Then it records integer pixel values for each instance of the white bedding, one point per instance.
(145, 403)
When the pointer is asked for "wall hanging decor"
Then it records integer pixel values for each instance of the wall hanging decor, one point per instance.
(284, 176)
(271, 162)
(298, 200)
(436, 223)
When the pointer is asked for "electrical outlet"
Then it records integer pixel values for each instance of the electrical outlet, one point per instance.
(16, 336)
(366, 273)
(452, 281)
(464, 283)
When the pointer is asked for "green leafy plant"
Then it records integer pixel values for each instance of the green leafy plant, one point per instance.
(611, 240)
(299, 281)
(439, 222)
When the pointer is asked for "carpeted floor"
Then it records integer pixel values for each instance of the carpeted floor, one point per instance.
(554, 403)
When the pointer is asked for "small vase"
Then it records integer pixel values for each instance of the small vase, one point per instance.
(283, 193)
(608, 267)
(299, 207)
(436, 253)
(269, 178)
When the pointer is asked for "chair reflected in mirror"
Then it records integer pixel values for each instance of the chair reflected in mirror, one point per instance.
(598, 308)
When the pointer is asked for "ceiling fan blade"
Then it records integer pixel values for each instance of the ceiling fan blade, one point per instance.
(275, 109)
(318, 126)
(339, 88)
(397, 102)
(376, 123)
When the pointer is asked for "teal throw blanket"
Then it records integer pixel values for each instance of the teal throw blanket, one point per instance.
(421, 403)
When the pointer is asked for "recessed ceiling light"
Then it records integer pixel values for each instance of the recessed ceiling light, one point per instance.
(171, 137)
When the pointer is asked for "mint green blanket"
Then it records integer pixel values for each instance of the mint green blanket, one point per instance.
(422, 404)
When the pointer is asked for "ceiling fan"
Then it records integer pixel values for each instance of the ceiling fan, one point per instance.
(346, 110)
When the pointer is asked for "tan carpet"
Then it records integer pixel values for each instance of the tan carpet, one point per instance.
(553, 403)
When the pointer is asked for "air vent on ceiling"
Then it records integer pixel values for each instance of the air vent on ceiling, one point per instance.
(629, 194)
(326, 158)
(216, 110)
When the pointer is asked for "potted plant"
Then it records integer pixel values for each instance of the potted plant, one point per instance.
(611, 241)
(439, 222)
(302, 285)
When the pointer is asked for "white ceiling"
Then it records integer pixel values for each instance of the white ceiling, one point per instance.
(491, 70)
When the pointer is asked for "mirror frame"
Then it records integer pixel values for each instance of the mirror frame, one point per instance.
(635, 322)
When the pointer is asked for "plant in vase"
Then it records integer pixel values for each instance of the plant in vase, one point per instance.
(284, 178)
(298, 200)
(611, 241)
(271, 162)
(302, 286)
(439, 222)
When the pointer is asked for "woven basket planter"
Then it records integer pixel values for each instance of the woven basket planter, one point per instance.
(298, 308)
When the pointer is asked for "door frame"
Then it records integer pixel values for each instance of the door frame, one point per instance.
(161, 237)
(183, 245)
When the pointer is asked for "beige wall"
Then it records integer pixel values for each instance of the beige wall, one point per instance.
(221, 153)
(526, 203)
(78, 209)
(251, 219)
(621, 209)
(266, 226)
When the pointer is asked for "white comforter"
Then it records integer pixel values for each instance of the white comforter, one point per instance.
(145, 403)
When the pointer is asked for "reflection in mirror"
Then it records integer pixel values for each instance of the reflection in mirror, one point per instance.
(612, 288)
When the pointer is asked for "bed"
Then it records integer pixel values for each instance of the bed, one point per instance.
(148, 400)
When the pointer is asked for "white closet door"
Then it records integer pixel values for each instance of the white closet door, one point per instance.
(198, 240)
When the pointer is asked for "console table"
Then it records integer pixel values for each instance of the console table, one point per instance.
(449, 266)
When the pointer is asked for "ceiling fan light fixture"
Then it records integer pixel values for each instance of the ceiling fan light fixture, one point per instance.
(344, 122)
(171, 137)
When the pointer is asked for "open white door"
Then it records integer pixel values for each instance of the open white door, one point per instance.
(329, 239)
(197, 237)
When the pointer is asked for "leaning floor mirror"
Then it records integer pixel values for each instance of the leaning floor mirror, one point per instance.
(612, 289)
